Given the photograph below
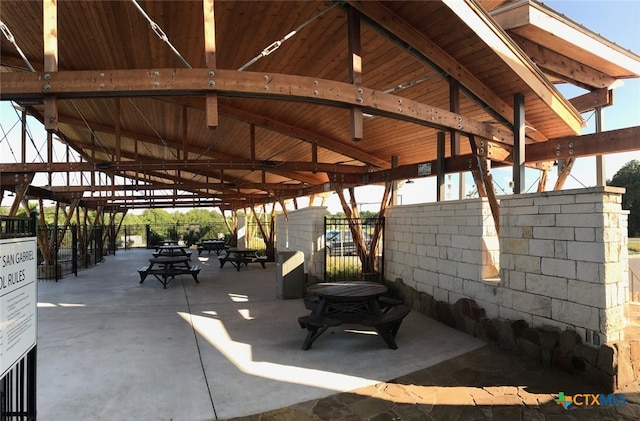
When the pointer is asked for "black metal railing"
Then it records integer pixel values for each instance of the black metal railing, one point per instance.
(72, 249)
(342, 260)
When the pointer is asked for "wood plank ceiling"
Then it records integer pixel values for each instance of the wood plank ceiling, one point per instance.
(266, 148)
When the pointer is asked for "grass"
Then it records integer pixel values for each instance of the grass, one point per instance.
(634, 245)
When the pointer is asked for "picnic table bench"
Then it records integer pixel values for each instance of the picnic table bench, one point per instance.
(217, 246)
(165, 269)
(240, 257)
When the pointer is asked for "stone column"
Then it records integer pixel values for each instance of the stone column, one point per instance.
(304, 231)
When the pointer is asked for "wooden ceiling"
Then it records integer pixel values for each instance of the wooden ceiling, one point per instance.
(132, 107)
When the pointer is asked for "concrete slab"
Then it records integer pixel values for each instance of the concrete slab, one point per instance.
(110, 348)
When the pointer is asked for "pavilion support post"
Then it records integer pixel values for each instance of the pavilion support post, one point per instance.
(440, 170)
(394, 184)
(355, 69)
(116, 113)
(252, 141)
(185, 133)
(564, 170)
(518, 144)
(601, 173)
(210, 61)
(50, 41)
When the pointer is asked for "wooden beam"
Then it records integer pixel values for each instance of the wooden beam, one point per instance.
(564, 169)
(355, 68)
(576, 39)
(211, 108)
(592, 100)
(492, 34)
(159, 82)
(321, 140)
(434, 56)
(50, 41)
(612, 141)
(563, 66)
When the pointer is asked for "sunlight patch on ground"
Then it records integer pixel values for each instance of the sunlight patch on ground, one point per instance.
(50, 305)
(458, 395)
(239, 298)
(240, 355)
(244, 312)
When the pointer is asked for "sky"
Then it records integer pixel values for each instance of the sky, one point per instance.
(617, 21)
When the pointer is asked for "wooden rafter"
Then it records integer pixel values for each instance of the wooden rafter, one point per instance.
(85, 84)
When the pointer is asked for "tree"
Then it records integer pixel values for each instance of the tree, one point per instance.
(629, 177)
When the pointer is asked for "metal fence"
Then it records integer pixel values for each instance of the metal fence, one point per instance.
(342, 262)
(634, 286)
(151, 235)
(18, 385)
(72, 249)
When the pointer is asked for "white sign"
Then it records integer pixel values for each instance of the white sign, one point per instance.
(424, 169)
(18, 298)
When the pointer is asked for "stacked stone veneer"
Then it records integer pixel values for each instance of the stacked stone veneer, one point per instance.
(560, 297)
(303, 231)
(563, 261)
(446, 249)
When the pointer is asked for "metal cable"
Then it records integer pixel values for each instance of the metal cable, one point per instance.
(152, 128)
(33, 143)
(276, 44)
(8, 143)
(7, 33)
(160, 33)
(107, 151)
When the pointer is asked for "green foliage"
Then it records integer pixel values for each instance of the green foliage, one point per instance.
(191, 237)
(154, 238)
(629, 177)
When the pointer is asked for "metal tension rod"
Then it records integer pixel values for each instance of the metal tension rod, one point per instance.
(160, 33)
(276, 44)
(9, 36)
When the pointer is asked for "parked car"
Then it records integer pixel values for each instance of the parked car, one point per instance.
(340, 243)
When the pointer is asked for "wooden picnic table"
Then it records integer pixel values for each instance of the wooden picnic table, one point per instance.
(217, 246)
(166, 268)
(172, 250)
(352, 302)
(239, 257)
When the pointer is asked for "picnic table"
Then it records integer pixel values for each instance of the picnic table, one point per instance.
(166, 268)
(239, 257)
(217, 246)
(353, 302)
(172, 250)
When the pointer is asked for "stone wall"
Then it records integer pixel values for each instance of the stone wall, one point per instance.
(562, 288)
(304, 231)
(612, 366)
(563, 261)
(449, 250)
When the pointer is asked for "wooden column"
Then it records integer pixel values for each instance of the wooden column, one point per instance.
(440, 170)
(50, 41)
(355, 69)
(518, 144)
(210, 61)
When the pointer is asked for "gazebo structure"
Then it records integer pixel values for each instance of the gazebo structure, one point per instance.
(236, 104)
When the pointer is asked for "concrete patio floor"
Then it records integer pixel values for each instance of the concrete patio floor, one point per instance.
(110, 348)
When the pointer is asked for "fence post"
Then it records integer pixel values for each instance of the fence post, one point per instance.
(74, 249)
